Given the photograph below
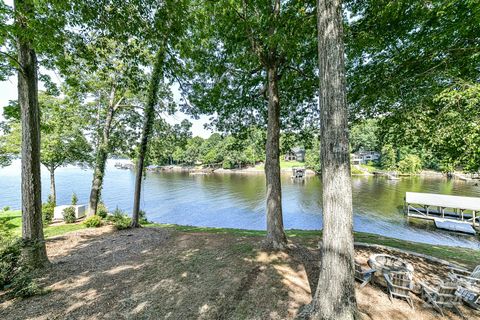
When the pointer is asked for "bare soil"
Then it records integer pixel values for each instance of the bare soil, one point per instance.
(156, 273)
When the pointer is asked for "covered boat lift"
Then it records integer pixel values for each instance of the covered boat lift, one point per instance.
(463, 216)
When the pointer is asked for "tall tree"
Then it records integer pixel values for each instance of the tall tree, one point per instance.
(253, 62)
(335, 295)
(107, 73)
(62, 135)
(63, 139)
(149, 117)
(32, 228)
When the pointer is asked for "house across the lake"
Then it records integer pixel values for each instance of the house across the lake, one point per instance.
(295, 154)
(363, 157)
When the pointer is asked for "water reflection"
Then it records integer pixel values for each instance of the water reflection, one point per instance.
(237, 201)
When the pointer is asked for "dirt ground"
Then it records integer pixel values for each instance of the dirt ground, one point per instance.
(154, 273)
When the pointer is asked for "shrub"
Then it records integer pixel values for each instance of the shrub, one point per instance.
(10, 253)
(410, 164)
(6, 208)
(227, 164)
(93, 222)
(388, 158)
(102, 210)
(74, 199)
(120, 219)
(69, 215)
(5, 227)
(142, 217)
(47, 212)
(15, 276)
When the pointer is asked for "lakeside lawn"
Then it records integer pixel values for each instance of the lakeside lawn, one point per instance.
(464, 256)
(180, 272)
(12, 221)
(284, 165)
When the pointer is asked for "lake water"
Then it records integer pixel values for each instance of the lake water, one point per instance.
(237, 201)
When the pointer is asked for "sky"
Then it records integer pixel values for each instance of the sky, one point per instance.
(8, 91)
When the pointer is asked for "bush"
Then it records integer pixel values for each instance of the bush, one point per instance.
(102, 210)
(411, 164)
(142, 217)
(120, 219)
(10, 254)
(15, 276)
(74, 199)
(69, 215)
(227, 164)
(47, 212)
(93, 222)
(6, 208)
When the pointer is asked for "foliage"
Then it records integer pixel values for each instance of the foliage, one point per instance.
(231, 46)
(364, 136)
(388, 158)
(411, 164)
(94, 221)
(402, 53)
(15, 276)
(102, 210)
(120, 220)
(142, 217)
(456, 130)
(69, 215)
(74, 199)
(6, 208)
(47, 212)
(312, 157)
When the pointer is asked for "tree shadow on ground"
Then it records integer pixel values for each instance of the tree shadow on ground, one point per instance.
(152, 273)
(372, 300)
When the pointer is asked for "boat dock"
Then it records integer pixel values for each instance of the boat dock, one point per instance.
(454, 213)
(298, 174)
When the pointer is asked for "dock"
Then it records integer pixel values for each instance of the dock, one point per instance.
(455, 213)
(298, 174)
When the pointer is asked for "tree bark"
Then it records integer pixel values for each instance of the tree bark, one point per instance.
(276, 237)
(53, 192)
(335, 294)
(157, 76)
(101, 157)
(32, 227)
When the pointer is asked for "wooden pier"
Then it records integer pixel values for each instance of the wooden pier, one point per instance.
(453, 213)
(298, 174)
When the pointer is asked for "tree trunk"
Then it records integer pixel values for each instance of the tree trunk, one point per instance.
(335, 294)
(53, 192)
(32, 227)
(276, 238)
(157, 76)
(101, 158)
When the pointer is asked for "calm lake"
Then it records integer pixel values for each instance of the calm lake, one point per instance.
(237, 201)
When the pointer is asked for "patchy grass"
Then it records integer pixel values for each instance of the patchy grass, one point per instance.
(285, 165)
(371, 168)
(13, 222)
(158, 273)
(464, 256)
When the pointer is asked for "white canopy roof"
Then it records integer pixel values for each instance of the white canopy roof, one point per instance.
(445, 201)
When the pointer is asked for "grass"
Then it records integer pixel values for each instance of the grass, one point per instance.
(371, 168)
(464, 256)
(285, 165)
(12, 221)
